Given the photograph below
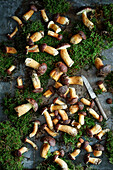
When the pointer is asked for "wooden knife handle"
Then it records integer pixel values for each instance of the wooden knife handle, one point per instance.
(100, 108)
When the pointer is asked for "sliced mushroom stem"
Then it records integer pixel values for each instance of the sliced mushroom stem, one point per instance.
(57, 107)
(65, 56)
(85, 101)
(63, 114)
(58, 101)
(20, 82)
(94, 114)
(17, 20)
(98, 63)
(35, 37)
(101, 86)
(61, 163)
(55, 35)
(53, 26)
(22, 109)
(55, 74)
(31, 143)
(76, 124)
(35, 129)
(10, 50)
(10, 36)
(102, 133)
(51, 50)
(48, 118)
(95, 130)
(10, 69)
(74, 154)
(44, 150)
(73, 109)
(31, 63)
(32, 49)
(44, 15)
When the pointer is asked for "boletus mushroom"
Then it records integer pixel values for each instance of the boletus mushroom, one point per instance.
(31, 143)
(55, 35)
(87, 147)
(48, 49)
(20, 83)
(21, 151)
(76, 39)
(10, 36)
(73, 96)
(61, 19)
(35, 37)
(101, 86)
(60, 162)
(44, 15)
(101, 134)
(53, 26)
(9, 50)
(97, 150)
(32, 49)
(49, 131)
(28, 14)
(94, 130)
(87, 102)
(10, 69)
(17, 20)
(35, 128)
(92, 160)
(60, 152)
(74, 154)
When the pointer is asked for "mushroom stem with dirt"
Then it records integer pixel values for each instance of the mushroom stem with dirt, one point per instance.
(92, 160)
(55, 35)
(17, 20)
(60, 162)
(35, 37)
(94, 130)
(31, 143)
(95, 114)
(48, 49)
(10, 36)
(44, 15)
(101, 134)
(10, 69)
(74, 154)
(97, 150)
(73, 96)
(101, 86)
(53, 26)
(21, 151)
(87, 102)
(28, 14)
(49, 131)
(76, 39)
(61, 19)
(35, 128)
(32, 49)
(20, 83)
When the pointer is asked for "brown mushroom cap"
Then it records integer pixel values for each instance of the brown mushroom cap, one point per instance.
(62, 153)
(42, 47)
(43, 126)
(55, 99)
(70, 157)
(63, 46)
(56, 16)
(18, 153)
(89, 132)
(20, 87)
(64, 79)
(99, 82)
(92, 104)
(72, 101)
(34, 103)
(48, 139)
(66, 122)
(82, 35)
(38, 90)
(61, 66)
(80, 105)
(100, 118)
(83, 113)
(37, 121)
(86, 158)
(56, 127)
(98, 147)
(103, 71)
(60, 36)
(30, 41)
(62, 90)
(42, 69)
(33, 7)
(85, 144)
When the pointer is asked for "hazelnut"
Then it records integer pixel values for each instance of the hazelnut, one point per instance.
(109, 101)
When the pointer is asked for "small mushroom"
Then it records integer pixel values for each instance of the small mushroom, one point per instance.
(74, 154)
(17, 20)
(28, 14)
(35, 129)
(98, 63)
(73, 109)
(61, 20)
(20, 83)
(95, 114)
(79, 144)
(101, 86)
(87, 147)
(32, 49)
(73, 96)
(49, 131)
(58, 101)
(66, 80)
(35, 37)
(55, 35)
(44, 15)
(101, 134)
(10, 36)
(81, 117)
(56, 74)
(48, 49)
(21, 151)
(36, 83)
(24, 108)
(76, 124)
(67, 129)
(94, 130)
(61, 90)
(9, 50)
(32, 63)
(65, 57)
(48, 118)
(31, 143)
(87, 102)
(97, 150)
(42, 69)
(49, 92)
(59, 153)
(53, 26)
(56, 119)
(60, 162)
(10, 69)
(57, 107)
(63, 114)
(80, 105)
(76, 39)
(95, 161)
(85, 19)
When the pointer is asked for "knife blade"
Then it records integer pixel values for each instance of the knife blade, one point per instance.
(93, 96)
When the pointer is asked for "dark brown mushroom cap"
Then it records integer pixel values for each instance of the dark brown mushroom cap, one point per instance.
(82, 35)
(63, 46)
(38, 90)
(42, 69)
(56, 16)
(86, 158)
(54, 157)
(20, 87)
(37, 121)
(43, 110)
(100, 118)
(83, 113)
(18, 153)
(85, 144)
(98, 147)
(42, 47)
(81, 140)
(56, 112)
(33, 7)
(5, 49)
(89, 132)
(70, 157)
(60, 36)
(64, 79)
(80, 105)
(48, 139)
(30, 41)
(9, 37)
(109, 101)
(66, 122)
(34, 103)
(103, 71)
(56, 127)
(92, 104)
(8, 72)
(62, 67)
(58, 117)
(62, 90)
(55, 99)
(99, 82)
(62, 153)
(51, 88)
(43, 126)
(72, 101)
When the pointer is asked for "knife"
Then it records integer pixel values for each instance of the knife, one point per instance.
(93, 96)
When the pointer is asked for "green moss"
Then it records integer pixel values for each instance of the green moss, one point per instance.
(109, 146)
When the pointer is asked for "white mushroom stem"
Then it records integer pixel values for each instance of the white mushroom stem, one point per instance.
(102, 133)
(98, 63)
(48, 119)
(17, 20)
(53, 34)
(19, 81)
(93, 113)
(61, 163)
(81, 119)
(31, 63)
(44, 15)
(57, 107)
(75, 39)
(22, 109)
(50, 132)
(10, 69)
(55, 74)
(35, 129)
(68, 129)
(23, 150)
(75, 153)
(96, 129)
(31, 143)
(95, 161)
(65, 56)
(58, 101)
(44, 150)
(54, 27)
(73, 109)
(32, 49)
(13, 33)
(76, 124)
(51, 50)
(63, 114)
(35, 80)
(76, 80)
(85, 101)
(97, 153)
(102, 87)
(37, 36)
(28, 15)
(48, 93)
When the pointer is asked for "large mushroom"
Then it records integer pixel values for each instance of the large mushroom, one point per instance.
(48, 49)
(101, 134)
(87, 147)
(74, 154)
(97, 150)
(28, 14)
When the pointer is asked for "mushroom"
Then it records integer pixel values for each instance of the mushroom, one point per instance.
(62, 67)
(109, 101)
(87, 102)
(31, 143)
(61, 90)
(95, 114)
(74, 154)
(97, 150)
(101, 86)
(60, 162)
(32, 49)
(10, 69)
(56, 119)
(55, 35)
(73, 109)
(67, 129)
(75, 39)
(76, 124)
(35, 129)
(73, 96)
(57, 107)
(66, 80)
(81, 117)
(28, 14)
(10, 36)
(49, 131)
(59, 153)
(58, 101)
(20, 83)
(101, 134)
(17, 20)
(53, 26)
(61, 20)
(95, 161)
(21, 151)
(79, 144)
(85, 19)
(49, 92)
(55, 113)
(87, 147)
(24, 108)
(35, 37)
(42, 69)
(48, 141)
(98, 63)
(9, 50)
(63, 114)
(55, 74)
(48, 118)
(32, 63)
(36, 83)
(94, 130)
(44, 15)
(48, 49)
